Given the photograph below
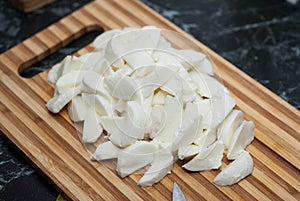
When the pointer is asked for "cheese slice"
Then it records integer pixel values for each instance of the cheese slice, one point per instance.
(77, 109)
(208, 159)
(92, 129)
(116, 134)
(135, 157)
(56, 103)
(240, 168)
(229, 126)
(160, 166)
(105, 151)
(243, 136)
(171, 107)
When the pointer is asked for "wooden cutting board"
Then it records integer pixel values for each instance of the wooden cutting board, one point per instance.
(51, 143)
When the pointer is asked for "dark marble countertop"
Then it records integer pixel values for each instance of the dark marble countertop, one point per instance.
(262, 38)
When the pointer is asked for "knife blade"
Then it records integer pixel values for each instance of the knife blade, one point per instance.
(178, 195)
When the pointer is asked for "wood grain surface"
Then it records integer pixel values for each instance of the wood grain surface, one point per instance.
(51, 142)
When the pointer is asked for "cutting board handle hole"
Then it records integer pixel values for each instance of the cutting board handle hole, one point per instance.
(58, 55)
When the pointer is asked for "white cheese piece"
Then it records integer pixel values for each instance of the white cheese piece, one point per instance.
(91, 60)
(206, 66)
(229, 126)
(94, 83)
(92, 129)
(163, 43)
(55, 73)
(129, 41)
(56, 103)
(103, 68)
(188, 151)
(138, 59)
(99, 103)
(159, 98)
(187, 133)
(70, 80)
(243, 136)
(155, 80)
(157, 120)
(135, 157)
(207, 159)
(236, 170)
(189, 58)
(105, 151)
(199, 80)
(173, 122)
(77, 109)
(120, 106)
(173, 86)
(134, 120)
(221, 101)
(70, 64)
(122, 87)
(160, 167)
(205, 139)
(165, 59)
(143, 71)
(194, 109)
(112, 125)
(101, 40)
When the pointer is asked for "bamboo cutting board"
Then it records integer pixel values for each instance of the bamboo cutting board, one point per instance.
(51, 142)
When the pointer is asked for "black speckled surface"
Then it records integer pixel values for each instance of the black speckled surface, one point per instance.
(260, 37)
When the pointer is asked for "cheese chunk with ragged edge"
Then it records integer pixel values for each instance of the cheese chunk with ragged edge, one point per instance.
(77, 109)
(112, 125)
(229, 126)
(155, 80)
(120, 106)
(70, 80)
(188, 151)
(196, 108)
(157, 120)
(105, 151)
(187, 133)
(240, 168)
(205, 139)
(221, 102)
(189, 58)
(208, 159)
(159, 98)
(242, 137)
(160, 166)
(91, 60)
(69, 64)
(135, 157)
(55, 73)
(138, 59)
(134, 120)
(163, 44)
(103, 68)
(174, 85)
(101, 41)
(129, 41)
(92, 129)
(101, 105)
(173, 122)
(122, 87)
(94, 83)
(165, 58)
(56, 103)
(143, 71)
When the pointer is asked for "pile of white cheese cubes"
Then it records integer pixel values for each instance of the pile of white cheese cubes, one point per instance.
(156, 104)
